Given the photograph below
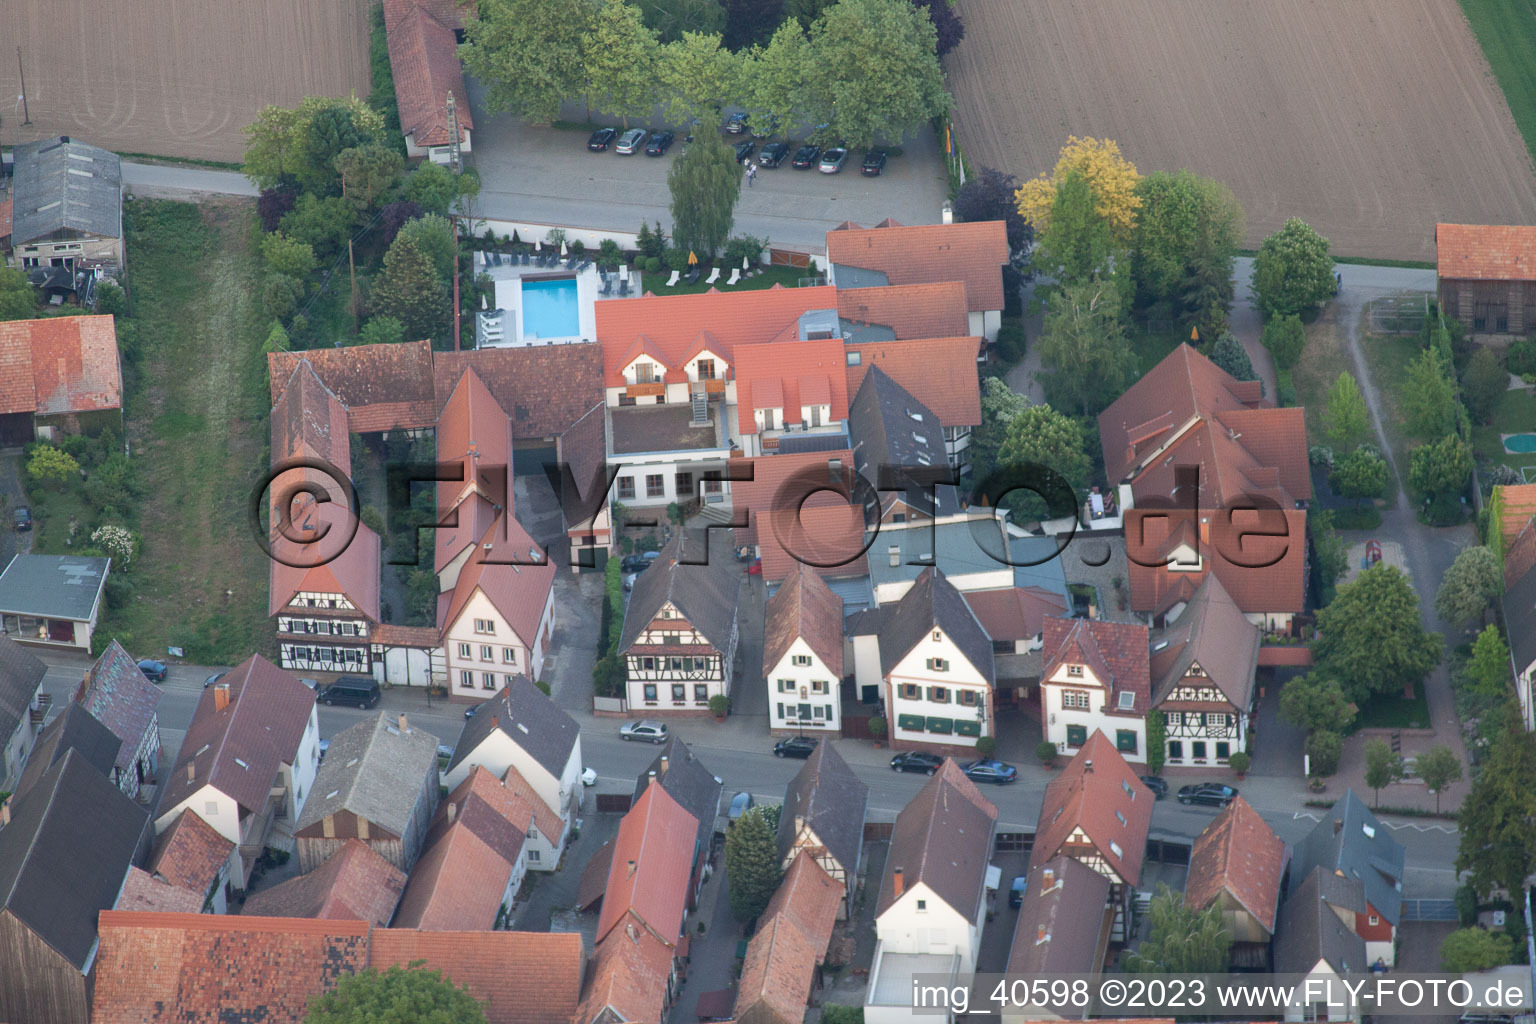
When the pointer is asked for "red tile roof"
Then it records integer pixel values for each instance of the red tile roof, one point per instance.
(804, 607)
(144, 892)
(384, 387)
(519, 592)
(544, 388)
(1272, 578)
(1483, 252)
(652, 859)
(544, 817)
(453, 13)
(309, 420)
(1238, 852)
(424, 59)
(5, 218)
(1520, 556)
(935, 310)
(58, 365)
(353, 884)
(457, 885)
(519, 977)
(939, 372)
(1096, 799)
(189, 854)
(628, 979)
(971, 252)
(389, 635)
(1115, 652)
(787, 375)
(499, 815)
(1518, 506)
(1014, 613)
(779, 971)
(826, 532)
(473, 424)
(673, 324)
(808, 898)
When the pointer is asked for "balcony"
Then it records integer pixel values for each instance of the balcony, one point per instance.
(648, 389)
(713, 387)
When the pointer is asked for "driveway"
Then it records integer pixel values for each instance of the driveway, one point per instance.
(12, 494)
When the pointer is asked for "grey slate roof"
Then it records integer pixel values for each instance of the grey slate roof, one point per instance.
(122, 698)
(942, 838)
(532, 720)
(832, 800)
(73, 729)
(687, 781)
(374, 770)
(891, 429)
(1308, 931)
(62, 185)
(66, 853)
(857, 277)
(20, 676)
(705, 595)
(933, 602)
(1360, 848)
(1520, 619)
(53, 586)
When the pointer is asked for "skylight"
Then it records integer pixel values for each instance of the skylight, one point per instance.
(1114, 848)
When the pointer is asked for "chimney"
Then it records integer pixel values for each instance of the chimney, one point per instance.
(220, 696)
(403, 724)
(453, 812)
(631, 870)
(899, 880)
(191, 772)
(1088, 765)
(5, 812)
(1338, 825)
(1041, 935)
(1047, 879)
(495, 722)
(651, 779)
(947, 213)
(663, 764)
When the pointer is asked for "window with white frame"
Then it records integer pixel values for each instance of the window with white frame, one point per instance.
(466, 679)
(1074, 700)
(484, 626)
(466, 651)
(801, 660)
(488, 681)
(509, 655)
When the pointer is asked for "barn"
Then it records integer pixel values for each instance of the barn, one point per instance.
(1487, 276)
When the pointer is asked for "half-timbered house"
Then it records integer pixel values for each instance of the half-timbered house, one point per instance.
(823, 815)
(1096, 676)
(1203, 666)
(803, 655)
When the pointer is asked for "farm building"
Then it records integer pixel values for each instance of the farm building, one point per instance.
(1486, 276)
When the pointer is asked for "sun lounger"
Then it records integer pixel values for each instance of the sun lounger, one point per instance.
(714, 275)
(607, 286)
(623, 289)
(672, 281)
(735, 275)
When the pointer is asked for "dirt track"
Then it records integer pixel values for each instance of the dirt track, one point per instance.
(1370, 119)
(174, 77)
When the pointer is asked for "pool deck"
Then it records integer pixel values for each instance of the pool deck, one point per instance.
(508, 280)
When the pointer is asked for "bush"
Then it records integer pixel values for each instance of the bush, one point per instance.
(719, 705)
(677, 259)
(1285, 391)
(877, 727)
(579, 248)
(744, 247)
(1521, 357)
(1045, 750)
(651, 242)
(1443, 510)
(280, 297)
(653, 264)
(1240, 762)
(1466, 905)
(1325, 748)
(986, 746)
(609, 253)
(1010, 341)
(110, 298)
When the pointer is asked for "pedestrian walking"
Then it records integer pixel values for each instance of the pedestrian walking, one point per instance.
(751, 173)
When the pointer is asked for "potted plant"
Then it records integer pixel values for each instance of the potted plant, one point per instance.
(1316, 784)
(719, 706)
(986, 746)
(1046, 752)
(1240, 763)
(877, 727)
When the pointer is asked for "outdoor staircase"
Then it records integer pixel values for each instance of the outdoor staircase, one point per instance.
(700, 407)
(721, 514)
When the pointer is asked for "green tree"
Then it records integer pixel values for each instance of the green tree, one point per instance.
(18, 298)
(1187, 233)
(1498, 818)
(289, 256)
(1181, 939)
(1285, 337)
(280, 295)
(1483, 383)
(1293, 272)
(1488, 669)
(433, 187)
(698, 76)
(1316, 702)
(1229, 354)
(1429, 396)
(277, 339)
(705, 183)
(1441, 467)
(528, 53)
(433, 235)
(1371, 639)
(750, 22)
(1328, 552)
(110, 298)
(1041, 436)
(1439, 767)
(298, 146)
(751, 864)
(1084, 342)
(1475, 949)
(671, 18)
(1157, 741)
(367, 173)
(806, 11)
(621, 56)
(322, 223)
(778, 75)
(999, 405)
(877, 72)
(48, 464)
(1469, 586)
(1324, 748)
(396, 996)
(1359, 475)
(1346, 420)
(1382, 768)
(408, 289)
(381, 330)
(1077, 243)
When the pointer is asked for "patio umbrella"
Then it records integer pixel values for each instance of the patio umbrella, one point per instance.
(562, 247)
(485, 302)
(538, 246)
(693, 259)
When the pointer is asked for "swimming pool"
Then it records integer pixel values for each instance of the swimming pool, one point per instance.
(1520, 444)
(549, 309)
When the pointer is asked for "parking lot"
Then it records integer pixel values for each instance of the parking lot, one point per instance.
(547, 176)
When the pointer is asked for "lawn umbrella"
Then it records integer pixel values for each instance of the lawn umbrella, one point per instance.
(562, 247)
(693, 259)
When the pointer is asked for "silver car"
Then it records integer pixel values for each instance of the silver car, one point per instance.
(631, 142)
(651, 732)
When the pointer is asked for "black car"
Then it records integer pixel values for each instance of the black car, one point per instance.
(21, 517)
(636, 563)
(773, 154)
(744, 150)
(601, 138)
(1213, 794)
(874, 163)
(806, 157)
(1157, 784)
(916, 761)
(988, 770)
(213, 679)
(736, 124)
(659, 143)
(154, 671)
(795, 746)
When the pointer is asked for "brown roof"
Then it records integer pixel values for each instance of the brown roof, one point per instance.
(544, 388)
(179, 968)
(1517, 507)
(1061, 920)
(545, 819)
(520, 592)
(652, 861)
(261, 727)
(594, 877)
(142, 891)
(59, 365)
(1099, 793)
(804, 607)
(473, 425)
(498, 815)
(518, 977)
(825, 530)
(1014, 613)
(1520, 556)
(939, 372)
(809, 898)
(189, 854)
(5, 218)
(457, 885)
(1238, 852)
(787, 375)
(1273, 576)
(123, 699)
(450, 12)
(628, 979)
(943, 839)
(932, 310)
(1486, 252)
(1116, 653)
(354, 883)
(424, 60)
(971, 252)
(384, 387)
(390, 635)
(779, 971)
(1213, 634)
(308, 419)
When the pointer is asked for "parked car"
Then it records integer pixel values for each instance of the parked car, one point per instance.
(917, 761)
(741, 803)
(325, 748)
(589, 776)
(990, 771)
(645, 729)
(659, 143)
(744, 150)
(638, 563)
(359, 691)
(631, 142)
(21, 518)
(213, 679)
(599, 140)
(155, 671)
(773, 154)
(832, 160)
(806, 157)
(795, 746)
(1016, 891)
(471, 711)
(444, 752)
(736, 124)
(874, 163)
(761, 131)
(629, 581)
(1157, 784)
(1213, 794)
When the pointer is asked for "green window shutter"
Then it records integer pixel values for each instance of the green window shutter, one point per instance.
(964, 727)
(911, 723)
(945, 725)
(1077, 735)
(1125, 741)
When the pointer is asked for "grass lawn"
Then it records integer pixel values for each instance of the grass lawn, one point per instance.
(1321, 362)
(1506, 31)
(1514, 414)
(1394, 711)
(789, 277)
(1152, 347)
(1388, 357)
